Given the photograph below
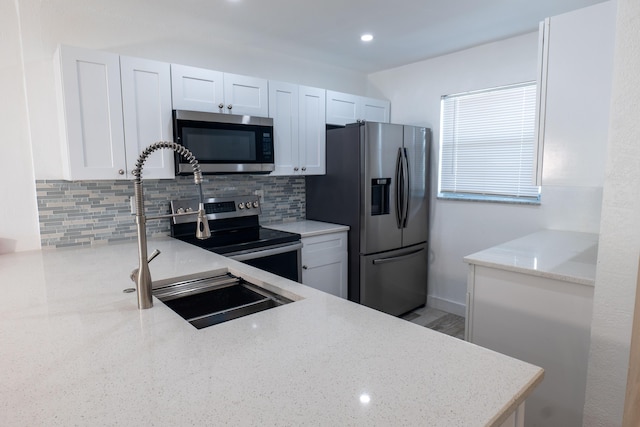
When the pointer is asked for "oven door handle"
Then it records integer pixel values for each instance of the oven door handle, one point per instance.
(271, 250)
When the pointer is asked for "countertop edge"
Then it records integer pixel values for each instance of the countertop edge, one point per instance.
(546, 274)
(517, 401)
(308, 228)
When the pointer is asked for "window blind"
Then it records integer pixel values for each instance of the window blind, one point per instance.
(487, 143)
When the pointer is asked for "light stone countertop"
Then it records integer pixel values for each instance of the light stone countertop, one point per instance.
(309, 228)
(76, 350)
(562, 255)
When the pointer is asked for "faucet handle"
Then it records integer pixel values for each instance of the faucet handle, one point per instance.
(134, 273)
(154, 254)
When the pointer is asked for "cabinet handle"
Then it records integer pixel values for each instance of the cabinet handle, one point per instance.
(304, 267)
(229, 107)
(296, 169)
(304, 168)
(221, 105)
(120, 171)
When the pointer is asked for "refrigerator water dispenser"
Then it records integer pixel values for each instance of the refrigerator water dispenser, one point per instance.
(380, 196)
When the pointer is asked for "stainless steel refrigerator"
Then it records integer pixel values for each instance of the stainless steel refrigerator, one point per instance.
(376, 183)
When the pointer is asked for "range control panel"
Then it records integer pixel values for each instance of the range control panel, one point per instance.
(216, 208)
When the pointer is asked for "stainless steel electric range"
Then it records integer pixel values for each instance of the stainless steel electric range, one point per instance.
(237, 234)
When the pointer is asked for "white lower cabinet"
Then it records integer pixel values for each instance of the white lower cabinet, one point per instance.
(324, 263)
(540, 320)
(516, 419)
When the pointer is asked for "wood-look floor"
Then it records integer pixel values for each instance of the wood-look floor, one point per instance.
(437, 320)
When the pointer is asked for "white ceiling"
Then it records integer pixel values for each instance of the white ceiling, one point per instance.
(405, 31)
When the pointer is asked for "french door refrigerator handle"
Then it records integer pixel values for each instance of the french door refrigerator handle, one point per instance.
(399, 189)
(397, 258)
(406, 189)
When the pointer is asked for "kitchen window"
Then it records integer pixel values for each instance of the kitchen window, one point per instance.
(487, 145)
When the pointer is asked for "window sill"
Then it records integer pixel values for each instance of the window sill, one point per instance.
(489, 199)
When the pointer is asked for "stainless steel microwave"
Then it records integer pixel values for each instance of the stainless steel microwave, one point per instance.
(224, 143)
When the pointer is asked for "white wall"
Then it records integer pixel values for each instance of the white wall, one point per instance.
(460, 228)
(619, 233)
(163, 31)
(18, 213)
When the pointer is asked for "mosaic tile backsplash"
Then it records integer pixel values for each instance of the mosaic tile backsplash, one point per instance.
(75, 213)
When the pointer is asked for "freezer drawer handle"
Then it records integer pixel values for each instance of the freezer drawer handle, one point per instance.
(397, 258)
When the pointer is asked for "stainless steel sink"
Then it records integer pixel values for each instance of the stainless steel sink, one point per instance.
(212, 300)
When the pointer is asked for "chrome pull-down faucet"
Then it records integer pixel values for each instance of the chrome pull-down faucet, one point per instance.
(142, 276)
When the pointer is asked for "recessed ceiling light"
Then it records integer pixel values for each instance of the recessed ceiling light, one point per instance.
(366, 37)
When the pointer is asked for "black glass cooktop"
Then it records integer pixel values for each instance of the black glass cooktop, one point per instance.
(228, 241)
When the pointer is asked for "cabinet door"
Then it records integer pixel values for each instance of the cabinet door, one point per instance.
(342, 108)
(375, 110)
(324, 263)
(197, 89)
(312, 131)
(92, 114)
(146, 103)
(245, 95)
(578, 77)
(283, 109)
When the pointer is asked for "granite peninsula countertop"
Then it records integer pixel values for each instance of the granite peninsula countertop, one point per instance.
(76, 350)
(562, 255)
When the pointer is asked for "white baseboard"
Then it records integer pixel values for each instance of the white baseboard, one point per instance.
(449, 306)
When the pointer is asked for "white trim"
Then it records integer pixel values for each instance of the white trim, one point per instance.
(449, 306)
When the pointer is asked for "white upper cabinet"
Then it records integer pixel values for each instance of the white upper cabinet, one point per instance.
(196, 89)
(283, 109)
(576, 67)
(199, 89)
(96, 93)
(246, 95)
(312, 130)
(91, 125)
(146, 105)
(375, 110)
(344, 108)
(113, 107)
(298, 114)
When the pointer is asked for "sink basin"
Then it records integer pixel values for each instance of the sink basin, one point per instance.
(212, 300)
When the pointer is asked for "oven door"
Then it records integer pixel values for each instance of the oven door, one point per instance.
(283, 260)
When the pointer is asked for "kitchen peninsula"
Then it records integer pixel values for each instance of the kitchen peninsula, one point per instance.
(75, 349)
